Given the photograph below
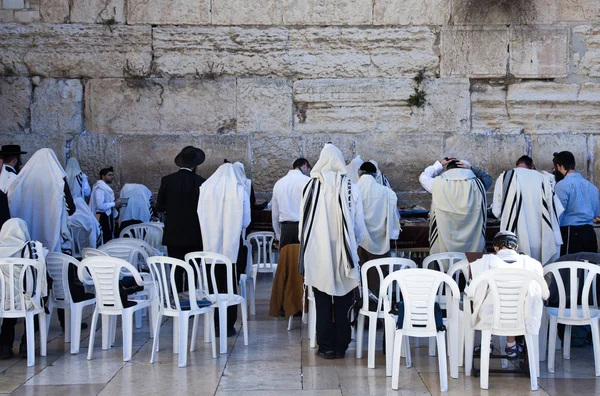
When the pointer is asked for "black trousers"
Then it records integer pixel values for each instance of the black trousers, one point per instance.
(289, 233)
(108, 226)
(578, 239)
(333, 321)
(179, 252)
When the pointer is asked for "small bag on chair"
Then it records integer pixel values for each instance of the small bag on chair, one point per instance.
(439, 319)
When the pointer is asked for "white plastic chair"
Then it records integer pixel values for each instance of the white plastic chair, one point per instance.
(162, 270)
(462, 267)
(106, 272)
(247, 281)
(200, 260)
(57, 265)
(390, 264)
(150, 232)
(312, 316)
(151, 251)
(441, 262)
(22, 289)
(264, 262)
(575, 314)
(507, 289)
(419, 288)
(91, 252)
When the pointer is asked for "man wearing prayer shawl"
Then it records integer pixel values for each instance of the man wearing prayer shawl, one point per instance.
(40, 195)
(139, 205)
(458, 215)
(103, 203)
(10, 164)
(223, 213)
(525, 203)
(353, 167)
(331, 227)
(84, 227)
(78, 181)
(380, 177)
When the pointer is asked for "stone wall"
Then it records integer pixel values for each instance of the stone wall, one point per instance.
(128, 83)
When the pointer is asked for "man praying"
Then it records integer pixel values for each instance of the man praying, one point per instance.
(139, 205)
(10, 155)
(104, 205)
(78, 181)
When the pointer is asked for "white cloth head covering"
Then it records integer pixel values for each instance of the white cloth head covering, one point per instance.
(240, 172)
(328, 246)
(380, 178)
(221, 211)
(37, 196)
(86, 229)
(75, 177)
(139, 206)
(353, 167)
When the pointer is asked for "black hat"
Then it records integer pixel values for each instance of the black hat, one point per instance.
(11, 149)
(190, 157)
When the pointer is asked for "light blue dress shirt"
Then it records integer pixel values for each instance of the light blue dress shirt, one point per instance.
(580, 199)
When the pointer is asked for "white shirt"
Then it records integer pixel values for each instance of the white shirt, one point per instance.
(287, 194)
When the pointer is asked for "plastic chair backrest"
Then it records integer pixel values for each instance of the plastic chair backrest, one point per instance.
(390, 264)
(419, 290)
(133, 254)
(574, 268)
(148, 232)
(200, 260)
(443, 261)
(248, 246)
(20, 280)
(264, 243)
(508, 289)
(105, 272)
(91, 252)
(80, 240)
(162, 270)
(135, 242)
(57, 265)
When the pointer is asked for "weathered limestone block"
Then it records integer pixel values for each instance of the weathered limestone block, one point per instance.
(539, 52)
(477, 12)
(31, 143)
(97, 11)
(273, 157)
(76, 50)
(15, 97)
(57, 107)
(380, 105)
(594, 150)
(411, 12)
(145, 106)
(578, 11)
(313, 144)
(476, 52)
(162, 12)
(586, 54)
(7, 16)
(264, 105)
(95, 152)
(13, 4)
(335, 52)
(543, 146)
(246, 12)
(54, 11)
(327, 12)
(27, 16)
(401, 157)
(537, 107)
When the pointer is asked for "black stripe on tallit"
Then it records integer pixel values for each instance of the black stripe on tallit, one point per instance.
(516, 220)
(506, 186)
(306, 230)
(345, 225)
(483, 205)
(433, 235)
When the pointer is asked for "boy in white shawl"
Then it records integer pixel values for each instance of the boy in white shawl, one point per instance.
(331, 227)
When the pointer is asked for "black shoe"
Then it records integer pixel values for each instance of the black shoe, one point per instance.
(340, 355)
(6, 352)
(23, 350)
(326, 354)
(84, 325)
(231, 332)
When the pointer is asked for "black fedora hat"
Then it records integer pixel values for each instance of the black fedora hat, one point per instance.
(11, 149)
(189, 157)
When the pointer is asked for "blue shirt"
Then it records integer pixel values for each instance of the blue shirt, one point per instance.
(580, 199)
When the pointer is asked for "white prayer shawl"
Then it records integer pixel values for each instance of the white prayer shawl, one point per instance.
(381, 178)
(381, 215)
(6, 178)
(240, 173)
(353, 167)
(16, 242)
(139, 205)
(109, 196)
(331, 209)
(221, 211)
(37, 196)
(483, 306)
(76, 178)
(84, 224)
(525, 203)
(458, 213)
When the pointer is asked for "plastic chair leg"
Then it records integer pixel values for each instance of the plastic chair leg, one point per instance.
(398, 338)
(175, 336)
(312, 323)
(552, 343)
(207, 331)
(113, 329)
(43, 319)
(461, 339)
(183, 339)
(453, 343)
(67, 324)
(484, 359)
(245, 321)
(502, 347)
(155, 340)
(432, 346)
(372, 339)
(194, 333)
(127, 327)
(469, 346)
(210, 318)
(153, 312)
(106, 337)
(93, 333)
(30, 340)
(533, 361)
(252, 294)
(596, 344)
(50, 310)
(222, 328)
(360, 330)
(441, 346)
(567, 342)
(537, 354)
(390, 334)
(406, 349)
(75, 325)
(290, 323)
(543, 336)
(138, 319)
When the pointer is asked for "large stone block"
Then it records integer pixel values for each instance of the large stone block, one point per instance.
(411, 12)
(95, 152)
(31, 143)
(543, 146)
(246, 12)
(138, 106)
(57, 107)
(264, 105)
(164, 12)
(335, 52)
(493, 12)
(54, 11)
(380, 105)
(594, 150)
(586, 50)
(578, 11)
(76, 50)
(97, 11)
(272, 158)
(15, 97)
(539, 52)
(401, 157)
(476, 52)
(327, 12)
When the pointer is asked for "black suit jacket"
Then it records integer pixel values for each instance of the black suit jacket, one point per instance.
(178, 198)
